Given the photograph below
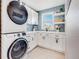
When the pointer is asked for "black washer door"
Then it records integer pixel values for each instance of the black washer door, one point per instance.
(17, 49)
(17, 13)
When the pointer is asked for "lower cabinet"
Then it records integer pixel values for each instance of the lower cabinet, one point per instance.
(60, 47)
(44, 40)
(61, 42)
(52, 41)
(32, 42)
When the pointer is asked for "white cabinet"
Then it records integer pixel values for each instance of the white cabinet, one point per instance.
(51, 40)
(54, 41)
(31, 41)
(45, 40)
(41, 41)
(33, 17)
(60, 42)
(29, 14)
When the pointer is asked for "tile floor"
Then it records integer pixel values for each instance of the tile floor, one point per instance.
(41, 53)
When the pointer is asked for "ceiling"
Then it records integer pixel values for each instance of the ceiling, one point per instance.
(43, 4)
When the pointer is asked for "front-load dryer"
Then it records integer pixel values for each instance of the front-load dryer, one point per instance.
(16, 46)
(14, 16)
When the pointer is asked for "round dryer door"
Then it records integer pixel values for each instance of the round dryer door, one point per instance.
(17, 13)
(17, 49)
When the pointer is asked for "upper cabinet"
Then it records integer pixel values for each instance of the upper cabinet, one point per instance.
(33, 17)
(32, 23)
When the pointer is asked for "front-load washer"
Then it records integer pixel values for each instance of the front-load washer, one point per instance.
(16, 46)
(14, 16)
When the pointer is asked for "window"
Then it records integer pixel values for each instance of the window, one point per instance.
(48, 21)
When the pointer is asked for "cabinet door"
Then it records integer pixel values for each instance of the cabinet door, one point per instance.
(34, 17)
(60, 43)
(52, 44)
(63, 39)
(29, 15)
(42, 40)
(31, 41)
(47, 40)
(39, 38)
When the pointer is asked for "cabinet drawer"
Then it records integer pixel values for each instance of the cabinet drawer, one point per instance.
(61, 36)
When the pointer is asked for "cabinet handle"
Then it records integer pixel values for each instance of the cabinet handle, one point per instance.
(44, 37)
(57, 40)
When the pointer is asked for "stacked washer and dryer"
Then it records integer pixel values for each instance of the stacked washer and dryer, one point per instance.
(15, 43)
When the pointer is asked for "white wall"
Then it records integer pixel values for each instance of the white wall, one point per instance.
(72, 31)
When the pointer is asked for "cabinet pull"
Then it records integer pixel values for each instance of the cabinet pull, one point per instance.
(57, 40)
(44, 37)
